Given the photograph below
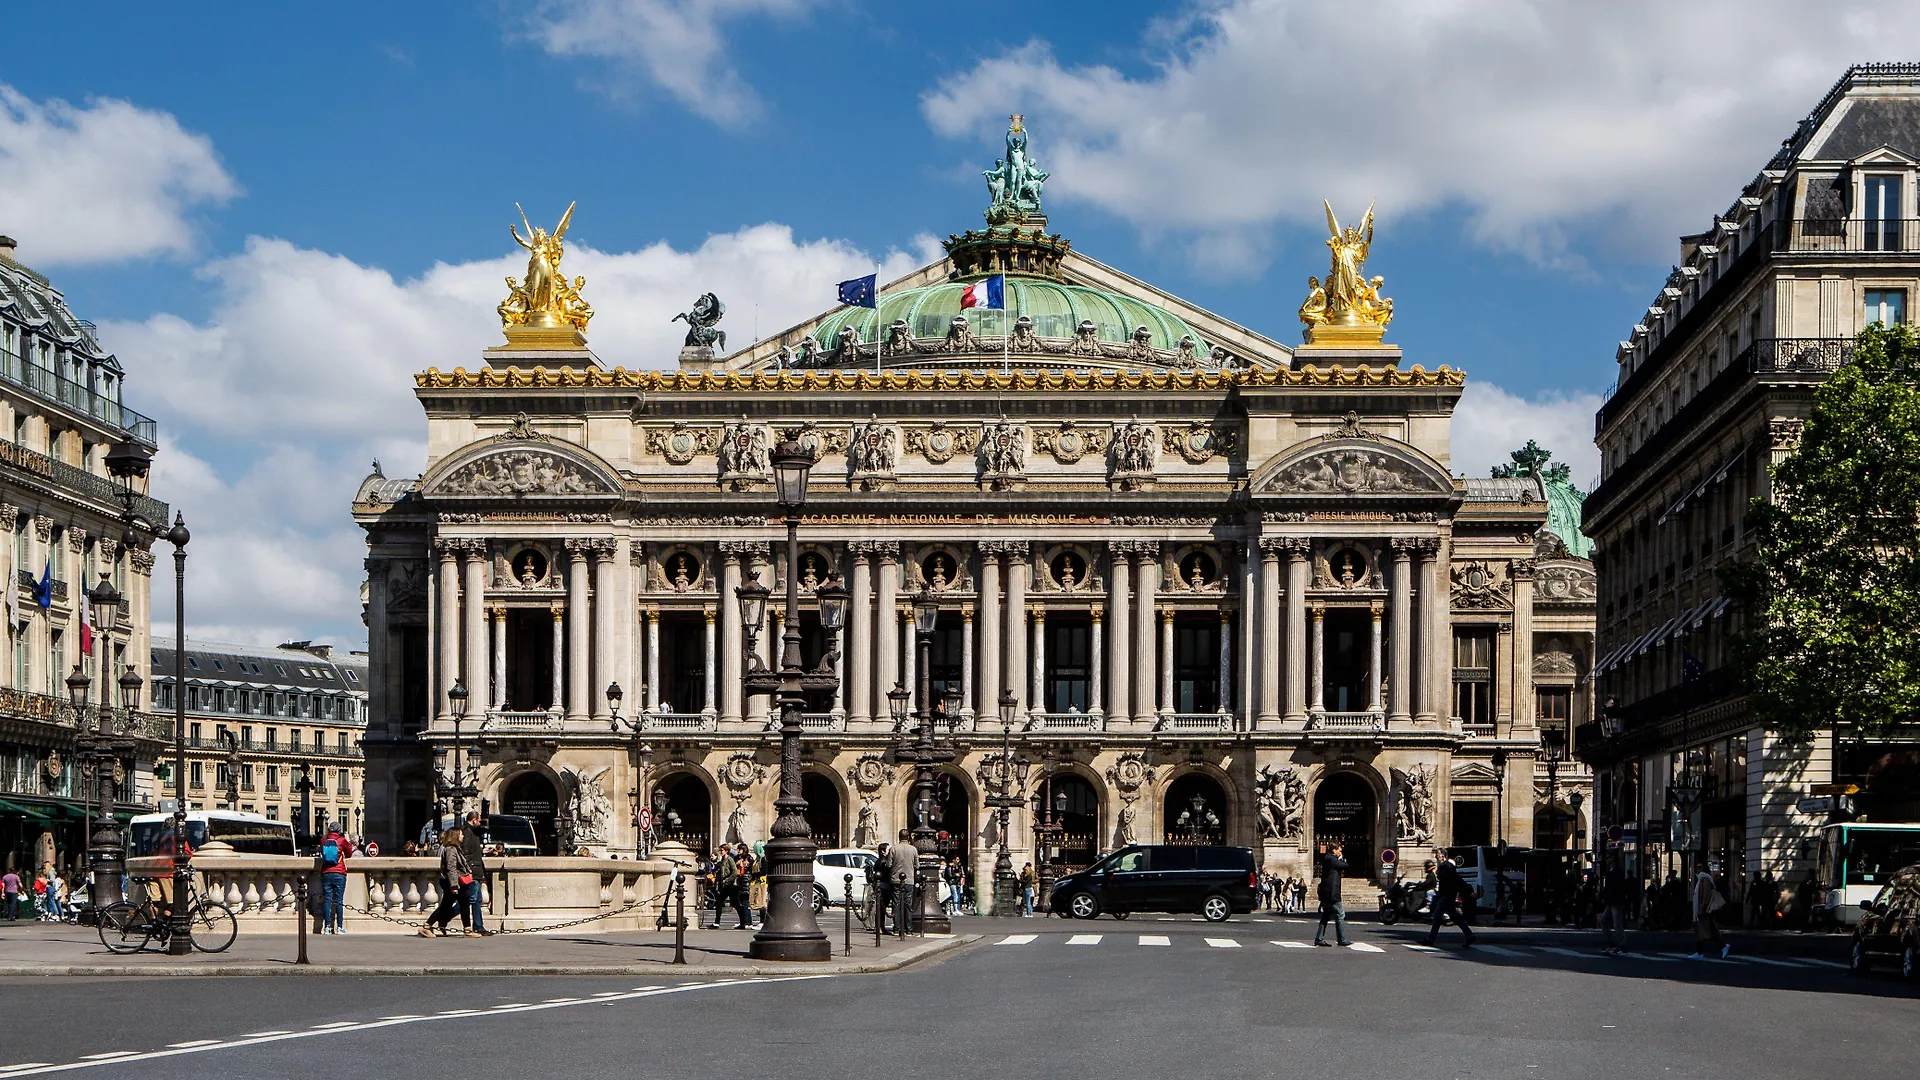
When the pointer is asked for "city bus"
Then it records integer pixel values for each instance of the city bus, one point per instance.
(1857, 858)
(247, 834)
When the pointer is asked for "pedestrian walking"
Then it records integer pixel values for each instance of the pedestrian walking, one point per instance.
(743, 887)
(10, 893)
(1615, 895)
(903, 862)
(455, 876)
(40, 894)
(1449, 892)
(1706, 932)
(880, 881)
(56, 896)
(1299, 895)
(475, 849)
(721, 881)
(1332, 909)
(333, 882)
(1027, 885)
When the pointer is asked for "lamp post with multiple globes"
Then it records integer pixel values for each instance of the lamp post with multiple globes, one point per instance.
(1006, 778)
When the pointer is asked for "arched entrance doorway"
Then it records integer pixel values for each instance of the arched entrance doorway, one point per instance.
(952, 814)
(688, 811)
(823, 809)
(530, 795)
(1075, 805)
(1194, 811)
(1343, 810)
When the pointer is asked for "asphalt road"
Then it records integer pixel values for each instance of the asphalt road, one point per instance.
(1146, 998)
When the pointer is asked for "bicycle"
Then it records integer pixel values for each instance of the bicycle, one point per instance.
(129, 928)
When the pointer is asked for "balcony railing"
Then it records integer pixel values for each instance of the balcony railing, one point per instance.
(1196, 723)
(665, 721)
(1063, 721)
(57, 711)
(1779, 356)
(1347, 722)
(74, 478)
(1853, 236)
(823, 722)
(503, 720)
(77, 397)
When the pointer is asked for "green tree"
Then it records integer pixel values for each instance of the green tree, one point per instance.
(1832, 598)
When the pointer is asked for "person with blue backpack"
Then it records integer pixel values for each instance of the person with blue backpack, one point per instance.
(334, 851)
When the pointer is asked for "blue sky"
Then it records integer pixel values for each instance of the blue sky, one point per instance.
(278, 214)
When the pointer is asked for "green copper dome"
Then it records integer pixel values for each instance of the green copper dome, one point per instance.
(1564, 503)
(1055, 307)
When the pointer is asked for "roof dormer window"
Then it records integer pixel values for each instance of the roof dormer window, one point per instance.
(1880, 211)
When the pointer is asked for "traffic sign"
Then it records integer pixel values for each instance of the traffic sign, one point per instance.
(1387, 856)
(646, 819)
(1835, 789)
(373, 850)
(1819, 805)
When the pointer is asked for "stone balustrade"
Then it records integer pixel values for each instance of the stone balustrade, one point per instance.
(527, 893)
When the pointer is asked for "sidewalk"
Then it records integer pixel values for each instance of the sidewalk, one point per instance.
(55, 949)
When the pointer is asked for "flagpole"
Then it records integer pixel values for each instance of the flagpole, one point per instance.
(876, 318)
(1006, 332)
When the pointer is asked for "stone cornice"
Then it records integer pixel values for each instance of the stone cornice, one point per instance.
(900, 381)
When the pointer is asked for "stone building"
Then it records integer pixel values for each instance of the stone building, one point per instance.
(1715, 384)
(286, 707)
(61, 413)
(1206, 566)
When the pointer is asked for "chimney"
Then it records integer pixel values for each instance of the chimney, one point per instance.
(7, 244)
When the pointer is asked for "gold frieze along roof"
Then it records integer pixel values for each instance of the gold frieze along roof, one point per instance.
(905, 381)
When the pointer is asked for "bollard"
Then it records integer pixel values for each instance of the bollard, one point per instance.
(680, 920)
(879, 912)
(300, 909)
(849, 916)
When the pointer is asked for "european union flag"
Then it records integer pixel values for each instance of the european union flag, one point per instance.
(43, 592)
(1691, 669)
(861, 292)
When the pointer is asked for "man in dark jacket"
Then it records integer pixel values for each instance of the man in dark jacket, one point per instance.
(1615, 894)
(881, 883)
(1332, 865)
(475, 850)
(1451, 892)
(903, 862)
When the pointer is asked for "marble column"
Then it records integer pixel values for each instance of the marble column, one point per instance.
(579, 631)
(1226, 661)
(990, 626)
(708, 693)
(651, 703)
(1268, 659)
(1037, 691)
(498, 621)
(1145, 641)
(605, 606)
(966, 658)
(1318, 659)
(1436, 642)
(1296, 643)
(1166, 661)
(765, 646)
(380, 665)
(1016, 634)
(1400, 616)
(732, 642)
(1522, 692)
(886, 625)
(1119, 594)
(860, 633)
(559, 612)
(1377, 610)
(910, 664)
(446, 627)
(1096, 657)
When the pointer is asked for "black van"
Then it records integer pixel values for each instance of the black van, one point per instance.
(1214, 881)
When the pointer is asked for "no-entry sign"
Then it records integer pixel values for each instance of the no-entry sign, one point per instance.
(1387, 855)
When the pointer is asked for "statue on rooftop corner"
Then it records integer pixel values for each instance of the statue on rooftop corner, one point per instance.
(707, 311)
(1347, 300)
(1015, 180)
(546, 300)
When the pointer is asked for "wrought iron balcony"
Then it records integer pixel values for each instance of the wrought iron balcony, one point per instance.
(57, 389)
(1852, 236)
(75, 479)
(1778, 356)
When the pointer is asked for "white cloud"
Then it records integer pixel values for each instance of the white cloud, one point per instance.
(105, 182)
(1489, 424)
(1636, 119)
(303, 373)
(675, 44)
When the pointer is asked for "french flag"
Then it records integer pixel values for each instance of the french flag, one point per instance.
(990, 293)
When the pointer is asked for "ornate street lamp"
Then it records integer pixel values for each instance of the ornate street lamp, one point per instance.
(180, 936)
(791, 932)
(459, 787)
(1499, 761)
(640, 758)
(1006, 777)
(99, 753)
(752, 598)
(925, 756)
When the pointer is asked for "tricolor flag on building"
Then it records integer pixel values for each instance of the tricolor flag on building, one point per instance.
(989, 293)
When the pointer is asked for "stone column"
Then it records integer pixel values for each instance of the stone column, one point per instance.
(1016, 644)
(1166, 660)
(1436, 642)
(966, 658)
(759, 566)
(1296, 644)
(1503, 676)
(446, 628)
(708, 698)
(579, 640)
(910, 663)
(380, 660)
(10, 515)
(1318, 675)
(1146, 598)
(1037, 692)
(1119, 594)
(990, 626)
(559, 612)
(1226, 661)
(1376, 609)
(886, 662)
(860, 632)
(1400, 614)
(1097, 658)
(605, 599)
(1523, 644)
(499, 621)
(651, 703)
(1268, 660)
(732, 644)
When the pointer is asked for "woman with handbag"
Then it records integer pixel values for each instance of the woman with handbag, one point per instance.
(1706, 932)
(455, 876)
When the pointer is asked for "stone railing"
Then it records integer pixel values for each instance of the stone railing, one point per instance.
(1064, 721)
(1347, 721)
(1196, 723)
(395, 895)
(666, 721)
(823, 722)
(502, 720)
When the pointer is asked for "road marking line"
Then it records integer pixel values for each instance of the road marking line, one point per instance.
(1166, 918)
(1084, 939)
(1222, 943)
(10, 1069)
(1500, 950)
(1361, 946)
(515, 1005)
(1419, 948)
(1293, 944)
(1655, 957)
(1155, 939)
(335, 1024)
(193, 1042)
(1771, 961)
(271, 1034)
(638, 989)
(1559, 951)
(1018, 939)
(1823, 963)
(1263, 920)
(610, 993)
(119, 1056)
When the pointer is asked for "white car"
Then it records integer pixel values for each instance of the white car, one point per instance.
(830, 869)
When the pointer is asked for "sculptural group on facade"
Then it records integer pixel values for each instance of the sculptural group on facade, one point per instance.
(518, 473)
(588, 805)
(1283, 802)
(1348, 297)
(707, 311)
(1413, 804)
(1015, 180)
(1350, 472)
(1135, 450)
(547, 299)
(746, 451)
(1003, 451)
(870, 452)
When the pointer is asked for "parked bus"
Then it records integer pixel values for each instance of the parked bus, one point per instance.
(247, 834)
(1857, 858)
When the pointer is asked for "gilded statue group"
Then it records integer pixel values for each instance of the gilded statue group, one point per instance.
(1348, 297)
(1015, 180)
(546, 299)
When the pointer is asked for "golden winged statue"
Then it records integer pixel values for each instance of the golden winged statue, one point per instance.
(546, 300)
(1347, 307)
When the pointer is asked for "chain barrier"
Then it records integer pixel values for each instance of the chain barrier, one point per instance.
(635, 906)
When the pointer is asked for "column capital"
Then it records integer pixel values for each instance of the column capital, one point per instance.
(1318, 609)
(1039, 613)
(1426, 547)
(1404, 547)
(966, 612)
(651, 611)
(559, 611)
(1097, 612)
(1139, 549)
(653, 615)
(1522, 569)
(1166, 614)
(449, 548)
(1377, 608)
(497, 612)
(888, 550)
(9, 515)
(1294, 547)
(76, 540)
(143, 561)
(43, 527)
(860, 547)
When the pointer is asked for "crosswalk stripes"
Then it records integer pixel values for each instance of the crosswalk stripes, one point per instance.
(1084, 939)
(1222, 943)
(1419, 948)
(1155, 939)
(1529, 951)
(1018, 939)
(1558, 951)
(1499, 950)
(1361, 946)
(1293, 944)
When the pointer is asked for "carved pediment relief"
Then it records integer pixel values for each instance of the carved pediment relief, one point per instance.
(1347, 466)
(1566, 582)
(512, 467)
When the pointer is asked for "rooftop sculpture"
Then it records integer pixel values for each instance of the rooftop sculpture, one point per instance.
(546, 301)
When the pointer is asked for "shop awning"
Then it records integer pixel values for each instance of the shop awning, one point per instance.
(38, 813)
